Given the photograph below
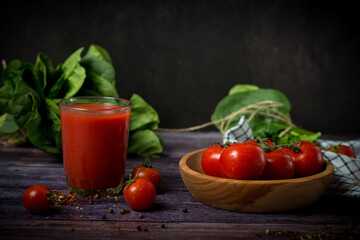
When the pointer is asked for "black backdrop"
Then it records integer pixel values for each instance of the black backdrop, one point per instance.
(184, 56)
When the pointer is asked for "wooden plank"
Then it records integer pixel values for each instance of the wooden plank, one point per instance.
(80, 229)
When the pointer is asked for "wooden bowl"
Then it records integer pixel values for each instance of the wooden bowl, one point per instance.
(252, 195)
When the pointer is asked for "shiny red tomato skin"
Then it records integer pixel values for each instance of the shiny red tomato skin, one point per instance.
(140, 194)
(308, 161)
(243, 161)
(149, 173)
(342, 149)
(210, 161)
(279, 165)
(35, 199)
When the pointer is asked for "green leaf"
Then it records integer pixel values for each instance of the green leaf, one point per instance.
(143, 116)
(56, 88)
(236, 101)
(44, 129)
(51, 75)
(12, 74)
(12, 139)
(5, 99)
(262, 126)
(74, 75)
(24, 104)
(100, 73)
(8, 124)
(242, 88)
(145, 143)
(100, 53)
(34, 78)
(40, 133)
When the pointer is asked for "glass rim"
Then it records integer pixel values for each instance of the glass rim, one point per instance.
(67, 104)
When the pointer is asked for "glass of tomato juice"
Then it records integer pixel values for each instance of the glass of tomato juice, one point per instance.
(95, 134)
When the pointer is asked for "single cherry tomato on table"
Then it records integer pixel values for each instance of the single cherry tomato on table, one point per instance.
(147, 171)
(342, 149)
(279, 165)
(210, 160)
(37, 199)
(243, 161)
(307, 157)
(139, 193)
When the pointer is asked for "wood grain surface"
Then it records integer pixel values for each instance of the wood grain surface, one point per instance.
(21, 167)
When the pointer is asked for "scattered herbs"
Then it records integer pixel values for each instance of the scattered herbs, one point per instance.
(29, 98)
(61, 199)
(124, 211)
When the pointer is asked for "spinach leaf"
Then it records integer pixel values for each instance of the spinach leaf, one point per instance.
(145, 143)
(5, 99)
(143, 116)
(242, 88)
(40, 133)
(236, 101)
(8, 124)
(51, 75)
(74, 75)
(262, 126)
(24, 104)
(100, 73)
(12, 74)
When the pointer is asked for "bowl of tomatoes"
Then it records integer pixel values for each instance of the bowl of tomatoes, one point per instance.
(255, 177)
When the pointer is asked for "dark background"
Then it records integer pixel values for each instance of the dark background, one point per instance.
(183, 56)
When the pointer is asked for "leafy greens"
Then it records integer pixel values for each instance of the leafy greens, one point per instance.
(262, 125)
(31, 93)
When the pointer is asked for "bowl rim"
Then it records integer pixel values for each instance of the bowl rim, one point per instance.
(328, 169)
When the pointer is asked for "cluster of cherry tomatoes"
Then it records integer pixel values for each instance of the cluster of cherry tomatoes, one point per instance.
(262, 160)
(139, 192)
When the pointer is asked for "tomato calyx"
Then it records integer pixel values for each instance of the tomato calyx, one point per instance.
(130, 181)
(49, 196)
(268, 146)
(336, 148)
(292, 147)
(147, 163)
(265, 144)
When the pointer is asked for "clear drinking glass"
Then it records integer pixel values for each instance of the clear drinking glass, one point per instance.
(95, 134)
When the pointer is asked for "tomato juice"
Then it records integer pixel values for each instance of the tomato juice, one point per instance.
(95, 140)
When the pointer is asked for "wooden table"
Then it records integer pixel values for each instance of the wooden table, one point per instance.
(24, 166)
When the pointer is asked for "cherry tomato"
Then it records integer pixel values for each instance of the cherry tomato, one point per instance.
(342, 149)
(279, 165)
(210, 161)
(308, 159)
(35, 199)
(243, 161)
(148, 172)
(140, 194)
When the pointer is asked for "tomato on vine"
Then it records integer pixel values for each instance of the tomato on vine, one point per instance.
(37, 199)
(342, 149)
(210, 160)
(307, 157)
(279, 165)
(243, 161)
(139, 193)
(149, 172)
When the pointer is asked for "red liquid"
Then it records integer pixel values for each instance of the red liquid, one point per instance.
(94, 145)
